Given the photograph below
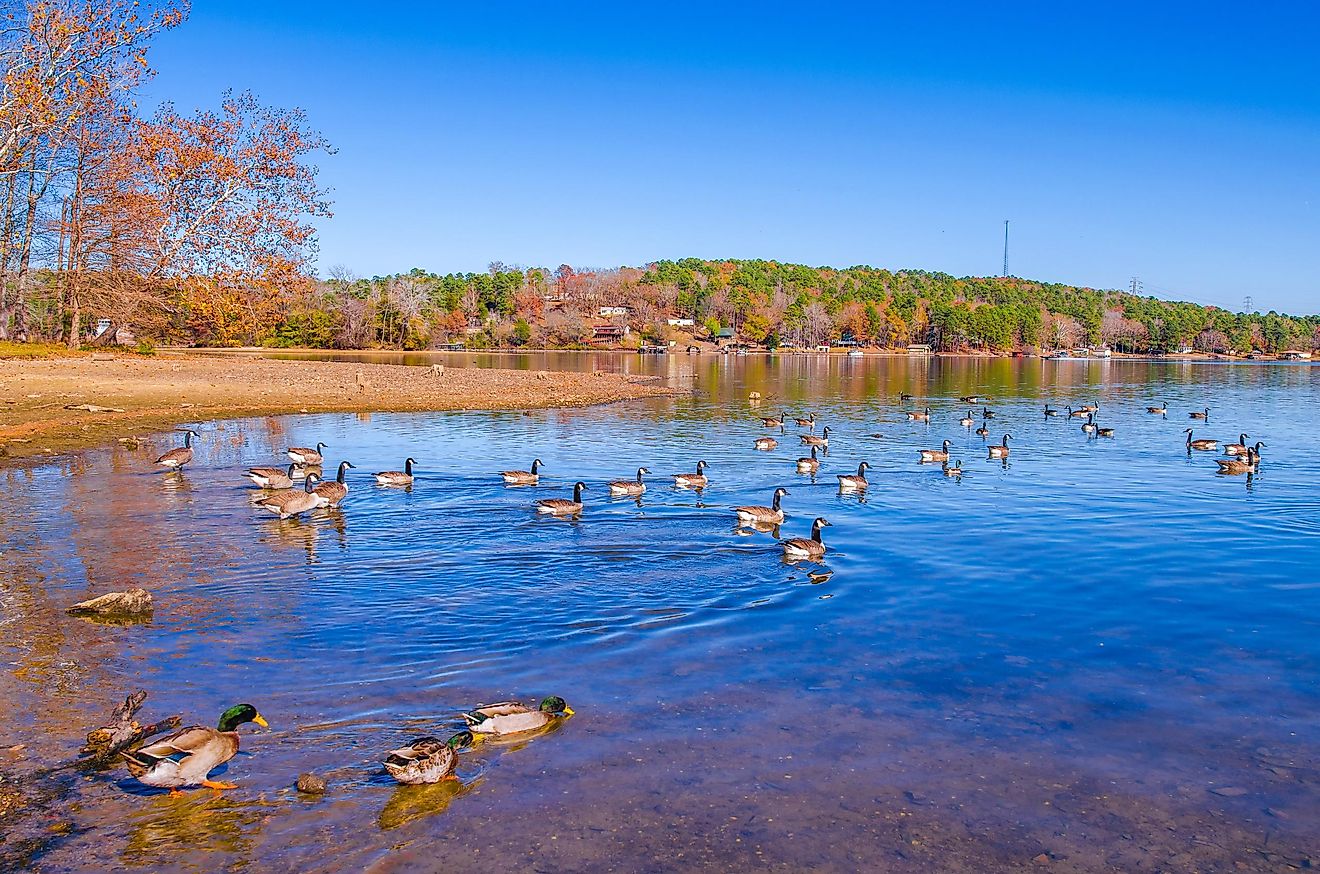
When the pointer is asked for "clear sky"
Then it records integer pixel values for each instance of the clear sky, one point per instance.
(1177, 143)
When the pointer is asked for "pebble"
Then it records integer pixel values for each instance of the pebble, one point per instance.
(311, 784)
(1229, 791)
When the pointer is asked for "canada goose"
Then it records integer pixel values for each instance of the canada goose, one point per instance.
(177, 458)
(271, 477)
(814, 440)
(1104, 432)
(427, 759)
(1239, 465)
(765, 444)
(1091, 408)
(802, 547)
(854, 483)
(292, 502)
(941, 454)
(1239, 448)
(983, 432)
(523, 477)
(951, 471)
(1088, 427)
(511, 718)
(1078, 413)
(809, 465)
(1257, 448)
(772, 514)
(967, 421)
(630, 487)
(336, 490)
(919, 416)
(1162, 410)
(693, 480)
(971, 399)
(904, 397)
(395, 477)
(1203, 445)
(188, 756)
(1204, 415)
(987, 413)
(773, 422)
(1050, 411)
(303, 455)
(808, 422)
(1000, 451)
(563, 506)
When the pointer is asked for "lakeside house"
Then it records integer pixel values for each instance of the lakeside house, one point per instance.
(681, 323)
(919, 349)
(1294, 355)
(608, 333)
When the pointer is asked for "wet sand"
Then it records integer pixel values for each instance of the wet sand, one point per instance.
(43, 403)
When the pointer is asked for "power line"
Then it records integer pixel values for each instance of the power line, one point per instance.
(1005, 273)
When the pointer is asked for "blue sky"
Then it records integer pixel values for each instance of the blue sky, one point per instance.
(1178, 144)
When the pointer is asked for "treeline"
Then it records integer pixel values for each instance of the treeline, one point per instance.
(168, 224)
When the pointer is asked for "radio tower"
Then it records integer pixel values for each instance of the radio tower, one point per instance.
(1005, 273)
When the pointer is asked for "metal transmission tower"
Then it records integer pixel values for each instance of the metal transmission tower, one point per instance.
(1005, 273)
(1248, 304)
(1135, 285)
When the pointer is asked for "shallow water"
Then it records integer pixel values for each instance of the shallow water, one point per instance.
(1073, 653)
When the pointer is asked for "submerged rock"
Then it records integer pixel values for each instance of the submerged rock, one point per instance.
(310, 783)
(134, 602)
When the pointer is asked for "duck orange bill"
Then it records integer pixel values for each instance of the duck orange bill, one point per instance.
(261, 721)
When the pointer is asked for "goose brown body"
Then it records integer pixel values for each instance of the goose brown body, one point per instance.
(563, 506)
(303, 456)
(810, 464)
(941, 454)
(1000, 451)
(857, 482)
(822, 439)
(1239, 448)
(919, 416)
(331, 493)
(1200, 445)
(397, 477)
(692, 480)
(271, 477)
(292, 502)
(772, 515)
(177, 458)
(523, 477)
(804, 547)
(628, 486)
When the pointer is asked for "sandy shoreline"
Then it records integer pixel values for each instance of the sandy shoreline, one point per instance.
(43, 402)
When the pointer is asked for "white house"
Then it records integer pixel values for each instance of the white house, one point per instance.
(681, 323)
(606, 312)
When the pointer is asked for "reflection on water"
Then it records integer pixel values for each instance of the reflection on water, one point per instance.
(1091, 649)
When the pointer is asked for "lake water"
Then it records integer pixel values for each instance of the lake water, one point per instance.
(1100, 651)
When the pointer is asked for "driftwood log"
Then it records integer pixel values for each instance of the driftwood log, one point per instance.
(122, 731)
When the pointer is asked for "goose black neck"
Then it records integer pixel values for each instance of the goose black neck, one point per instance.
(407, 467)
(577, 493)
(343, 466)
(775, 503)
(815, 532)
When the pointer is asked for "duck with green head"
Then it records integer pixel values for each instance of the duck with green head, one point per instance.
(427, 759)
(509, 717)
(186, 757)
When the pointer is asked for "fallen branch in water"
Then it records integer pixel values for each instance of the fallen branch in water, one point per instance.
(93, 408)
(121, 732)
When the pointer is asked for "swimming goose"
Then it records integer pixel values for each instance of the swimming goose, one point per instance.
(1050, 411)
(971, 399)
(951, 471)
(305, 456)
(1088, 427)
(630, 487)
(765, 444)
(772, 422)
(271, 477)
(967, 421)
(1203, 445)
(771, 515)
(563, 506)
(186, 757)
(693, 480)
(855, 483)
(813, 440)
(1204, 415)
(1238, 448)
(511, 718)
(808, 422)
(177, 458)
(427, 759)
(1078, 413)
(1091, 408)
(922, 416)
(987, 413)
(941, 454)
(292, 502)
(809, 465)
(397, 477)
(1104, 432)
(1162, 410)
(802, 547)
(1249, 464)
(983, 432)
(523, 477)
(336, 490)
(904, 397)
(1000, 451)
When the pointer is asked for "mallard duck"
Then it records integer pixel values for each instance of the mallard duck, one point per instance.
(970, 399)
(919, 416)
(395, 477)
(808, 422)
(951, 471)
(822, 439)
(771, 515)
(1000, 451)
(1162, 410)
(523, 477)
(967, 421)
(510, 718)
(1201, 445)
(693, 480)
(177, 458)
(1204, 415)
(855, 483)
(427, 759)
(630, 487)
(772, 422)
(301, 455)
(186, 757)
(333, 492)
(271, 477)
(802, 547)
(1050, 412)
(1239, 448)
(941, 454)
(1240, 464)
(563, 506)
(809, 465)
(1088, 427)
(292, 502)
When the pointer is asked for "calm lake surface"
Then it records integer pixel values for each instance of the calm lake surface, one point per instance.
(1100, 651)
